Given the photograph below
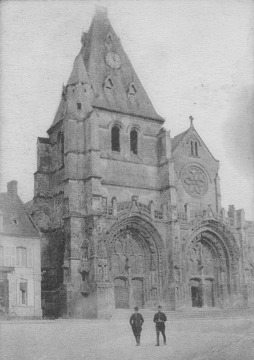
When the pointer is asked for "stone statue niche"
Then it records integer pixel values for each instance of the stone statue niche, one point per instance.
(84, 268)
(102, 274)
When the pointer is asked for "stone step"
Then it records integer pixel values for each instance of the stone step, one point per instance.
(124, 314)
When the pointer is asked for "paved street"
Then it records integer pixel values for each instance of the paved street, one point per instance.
(199, 339)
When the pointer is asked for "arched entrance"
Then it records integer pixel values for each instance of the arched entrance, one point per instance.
(135, 263)
(212, 266)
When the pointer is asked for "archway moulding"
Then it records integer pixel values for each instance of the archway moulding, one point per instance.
(134, 211)
(214, 228)
(136, 261)
(141, 224)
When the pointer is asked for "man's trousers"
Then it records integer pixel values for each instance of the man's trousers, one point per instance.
(162, 330)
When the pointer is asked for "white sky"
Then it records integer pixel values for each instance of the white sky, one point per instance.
(193, 58)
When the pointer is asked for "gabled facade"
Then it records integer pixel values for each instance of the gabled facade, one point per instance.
(198, 183)
(131, 216)
(20, 259)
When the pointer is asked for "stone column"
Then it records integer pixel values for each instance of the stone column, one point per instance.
(218, 194)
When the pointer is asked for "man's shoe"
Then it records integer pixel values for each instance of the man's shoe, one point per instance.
(157, 345)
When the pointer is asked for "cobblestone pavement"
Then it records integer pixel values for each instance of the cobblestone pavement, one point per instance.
(191, 339)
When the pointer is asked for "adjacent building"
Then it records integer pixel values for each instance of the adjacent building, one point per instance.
(131, 216)
(20, 259)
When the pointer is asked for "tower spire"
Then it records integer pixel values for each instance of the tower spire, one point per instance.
(102, 59)
(191, 120)
(101, 10)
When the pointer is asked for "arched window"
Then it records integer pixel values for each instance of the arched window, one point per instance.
(134, 141)
(115, 138)
(196, 148)
(192, 148)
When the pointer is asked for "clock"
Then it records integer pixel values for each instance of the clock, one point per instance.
(113, 60)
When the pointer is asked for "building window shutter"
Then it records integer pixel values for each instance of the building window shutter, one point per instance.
(1, 256)
(7, 256)
(21, 256)
(30, 257)
(13, 256)
(18, 257)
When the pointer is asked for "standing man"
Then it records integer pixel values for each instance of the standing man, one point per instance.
(160, 319)
(136, 321)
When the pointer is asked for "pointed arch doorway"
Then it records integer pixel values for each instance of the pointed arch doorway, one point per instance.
(135, 261)
(212, 267)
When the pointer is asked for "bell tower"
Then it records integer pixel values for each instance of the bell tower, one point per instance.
(106, 165)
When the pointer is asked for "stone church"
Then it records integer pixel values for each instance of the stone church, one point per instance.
(131, 216)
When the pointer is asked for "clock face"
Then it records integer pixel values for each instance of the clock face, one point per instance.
(113, 60)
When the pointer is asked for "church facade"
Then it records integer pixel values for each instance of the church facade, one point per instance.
(132, 217)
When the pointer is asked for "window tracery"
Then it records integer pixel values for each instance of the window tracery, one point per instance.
(193, 144)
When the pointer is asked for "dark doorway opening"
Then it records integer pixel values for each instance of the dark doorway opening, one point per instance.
(196, 296)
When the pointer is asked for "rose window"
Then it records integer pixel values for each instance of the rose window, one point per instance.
(194, 181)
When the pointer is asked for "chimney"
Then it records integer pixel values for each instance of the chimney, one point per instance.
(12, 188)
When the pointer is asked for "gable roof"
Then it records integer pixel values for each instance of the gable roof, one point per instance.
(16, 220)
(90, 66)
(177, 140)
(61, 111)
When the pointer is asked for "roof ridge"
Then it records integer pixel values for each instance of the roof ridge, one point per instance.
(16, 219)
(29, 216)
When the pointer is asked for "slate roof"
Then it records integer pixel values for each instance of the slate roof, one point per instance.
(16, 221)
(90, 66)
(177, 139)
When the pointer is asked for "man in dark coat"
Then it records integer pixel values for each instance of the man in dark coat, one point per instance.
(136, 321)
(160, 319)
